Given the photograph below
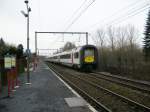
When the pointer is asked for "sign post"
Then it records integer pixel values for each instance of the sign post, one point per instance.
(7, 65)
(14, 67)
(13, 59)
(13, 71)
(28, 52)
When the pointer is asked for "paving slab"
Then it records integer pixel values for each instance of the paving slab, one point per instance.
(75, 101)
(45, 94)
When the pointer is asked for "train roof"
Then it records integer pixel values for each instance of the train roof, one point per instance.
(73, 50)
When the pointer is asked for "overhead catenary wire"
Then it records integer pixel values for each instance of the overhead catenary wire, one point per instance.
(54, 41)
(130, 15)
(77, 10)
(118, 11)
(80, 14)
(75, 13)
(132, 12)
(130, 8)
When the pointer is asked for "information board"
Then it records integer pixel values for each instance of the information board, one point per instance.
(7, 61)
(13, 61)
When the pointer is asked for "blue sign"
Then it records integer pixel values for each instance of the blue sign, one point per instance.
(28, 51)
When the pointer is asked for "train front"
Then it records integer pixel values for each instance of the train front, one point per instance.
(89, 58)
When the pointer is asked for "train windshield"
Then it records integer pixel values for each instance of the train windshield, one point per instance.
(88, 52)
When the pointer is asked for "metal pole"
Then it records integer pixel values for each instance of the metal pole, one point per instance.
(28, 50)
(36, 43)
(86, 38)
(38, 52)
(28, 63)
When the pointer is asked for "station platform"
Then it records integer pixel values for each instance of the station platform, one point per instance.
(47, 93)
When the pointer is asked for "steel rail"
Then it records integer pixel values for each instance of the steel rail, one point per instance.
(125, 82)
(147, 109)
(143, 107)
(95, 103)
(125, 78)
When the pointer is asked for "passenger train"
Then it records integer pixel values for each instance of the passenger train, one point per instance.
(84, 58)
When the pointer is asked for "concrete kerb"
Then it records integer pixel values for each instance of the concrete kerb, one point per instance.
(70, 88)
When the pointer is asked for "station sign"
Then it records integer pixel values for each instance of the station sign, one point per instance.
(7, 62)
(13, 61)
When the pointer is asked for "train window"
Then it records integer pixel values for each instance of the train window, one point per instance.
(89, 52)
(61, 56)
(76, 55)
(66, 56)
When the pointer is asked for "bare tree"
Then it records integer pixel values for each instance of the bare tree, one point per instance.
(101, 37)
(133, 55)
(121, 53)
(68, 46)
(121, 37)
(121, 48)
(94, 38)
(132, 35)
(111, 36)
(101, 42)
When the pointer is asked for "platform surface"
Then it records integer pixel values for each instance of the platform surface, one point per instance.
(46, 94)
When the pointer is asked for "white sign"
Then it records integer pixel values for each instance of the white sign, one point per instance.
(13, 61)
(7, 61)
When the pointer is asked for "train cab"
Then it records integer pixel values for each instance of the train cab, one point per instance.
(89, 57)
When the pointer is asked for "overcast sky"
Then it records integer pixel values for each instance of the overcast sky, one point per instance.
(57, 15)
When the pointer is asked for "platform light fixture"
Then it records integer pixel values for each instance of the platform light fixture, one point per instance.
(28, 50)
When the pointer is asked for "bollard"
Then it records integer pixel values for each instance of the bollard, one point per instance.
(0, 84)
(33, 66)
(12, 79)
(16, 80)
(8, 68)
(0, 87)
(9, 83)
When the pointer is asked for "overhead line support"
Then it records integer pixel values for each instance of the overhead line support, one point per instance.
(86, 33)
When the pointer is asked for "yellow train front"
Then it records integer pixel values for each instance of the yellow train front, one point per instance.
(88, 58)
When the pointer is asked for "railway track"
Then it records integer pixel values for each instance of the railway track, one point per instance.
(89, 98)
(134, 84)
(129, 104)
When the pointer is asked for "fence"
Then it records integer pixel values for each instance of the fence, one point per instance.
(20, 64)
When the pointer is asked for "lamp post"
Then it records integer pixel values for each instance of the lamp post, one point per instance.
(28, 50)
